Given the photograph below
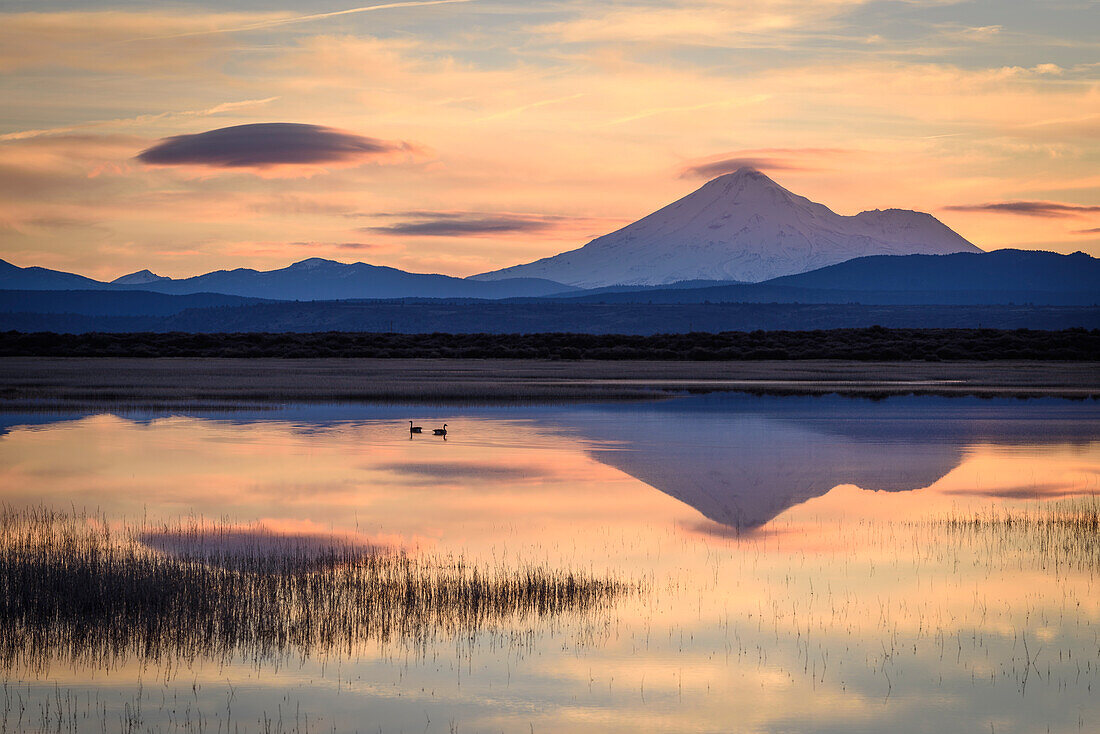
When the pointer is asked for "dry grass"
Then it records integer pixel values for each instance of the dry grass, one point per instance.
(72, 589)
(1065, 533)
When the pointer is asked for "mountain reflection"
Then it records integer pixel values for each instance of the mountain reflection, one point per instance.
(741, 460)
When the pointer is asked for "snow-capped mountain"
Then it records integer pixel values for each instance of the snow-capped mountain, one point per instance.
(740, 226)
(141, 277)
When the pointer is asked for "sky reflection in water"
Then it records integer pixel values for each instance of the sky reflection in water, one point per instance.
(786, 587)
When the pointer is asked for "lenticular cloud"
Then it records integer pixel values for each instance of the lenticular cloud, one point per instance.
(267, 144)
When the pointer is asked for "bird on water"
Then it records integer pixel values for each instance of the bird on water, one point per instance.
(415, 429)
(440, 431)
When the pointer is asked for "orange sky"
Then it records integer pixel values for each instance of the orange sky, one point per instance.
(503, 131)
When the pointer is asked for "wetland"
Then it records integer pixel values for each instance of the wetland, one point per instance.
(583, 561)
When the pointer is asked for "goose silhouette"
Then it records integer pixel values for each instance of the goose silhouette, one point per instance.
(440, 431)
(415, 429)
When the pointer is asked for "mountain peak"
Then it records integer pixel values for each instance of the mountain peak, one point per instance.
(747, 183)
(739, 226)
(744, 177)
(138, 278)
(745, 172)
(313, 262)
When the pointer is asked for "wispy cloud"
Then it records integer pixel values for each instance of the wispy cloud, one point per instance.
(979, 33)
(353, 246)
(1043, 490)
(444, 471)
(531, 106)
(140, 119)
(1045, 209)
(460, 224)
(260, 25)
(734, 102)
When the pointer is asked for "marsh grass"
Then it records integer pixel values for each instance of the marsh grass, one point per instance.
(73, 589)
(1066, 532)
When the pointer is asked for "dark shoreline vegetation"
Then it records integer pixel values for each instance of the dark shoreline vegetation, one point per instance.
(415, 316)
(71, 589)
(867, 344)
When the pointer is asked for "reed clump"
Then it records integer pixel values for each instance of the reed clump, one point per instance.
(71, 588)
(1064, 532)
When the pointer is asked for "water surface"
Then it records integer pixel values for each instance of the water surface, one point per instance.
(791, 564)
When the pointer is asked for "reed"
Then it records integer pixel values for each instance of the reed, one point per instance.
(72, 588)
(1064, 532)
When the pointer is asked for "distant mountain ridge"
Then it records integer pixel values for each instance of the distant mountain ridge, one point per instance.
(35, 278)
(740, 226)
(999, 270)
(962, 280)
(998, 277)
(308, 280)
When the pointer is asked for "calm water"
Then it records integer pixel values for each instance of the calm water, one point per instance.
(792, 568)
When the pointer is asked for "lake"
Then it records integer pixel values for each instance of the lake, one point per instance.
(775, 563)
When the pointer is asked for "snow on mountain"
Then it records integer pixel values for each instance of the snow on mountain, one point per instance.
(740, 226)
(139, 278)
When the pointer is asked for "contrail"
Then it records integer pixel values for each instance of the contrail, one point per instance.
(735, 102)
(306, 18)
(533, 105)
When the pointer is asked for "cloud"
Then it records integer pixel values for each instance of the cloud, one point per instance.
(283, 204)
(981, 33)
(138, 120)
(1048, 69)
(1021, 492)
(710, 104)
(337, 245)
(60, 222)
(459, 224)
(1046, 209)
(729, 165)
(219, 544)
(765, 159)
(43, 170)
(455, 470)
(1094, 230)
(696, 22)
(269, 144)
(261, 25)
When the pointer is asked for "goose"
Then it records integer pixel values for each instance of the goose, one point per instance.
(414, 429)
(440, 431)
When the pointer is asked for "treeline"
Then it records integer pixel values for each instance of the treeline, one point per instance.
(866, 344)
(489, 317)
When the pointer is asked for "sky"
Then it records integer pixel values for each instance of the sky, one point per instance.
(460, 136)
